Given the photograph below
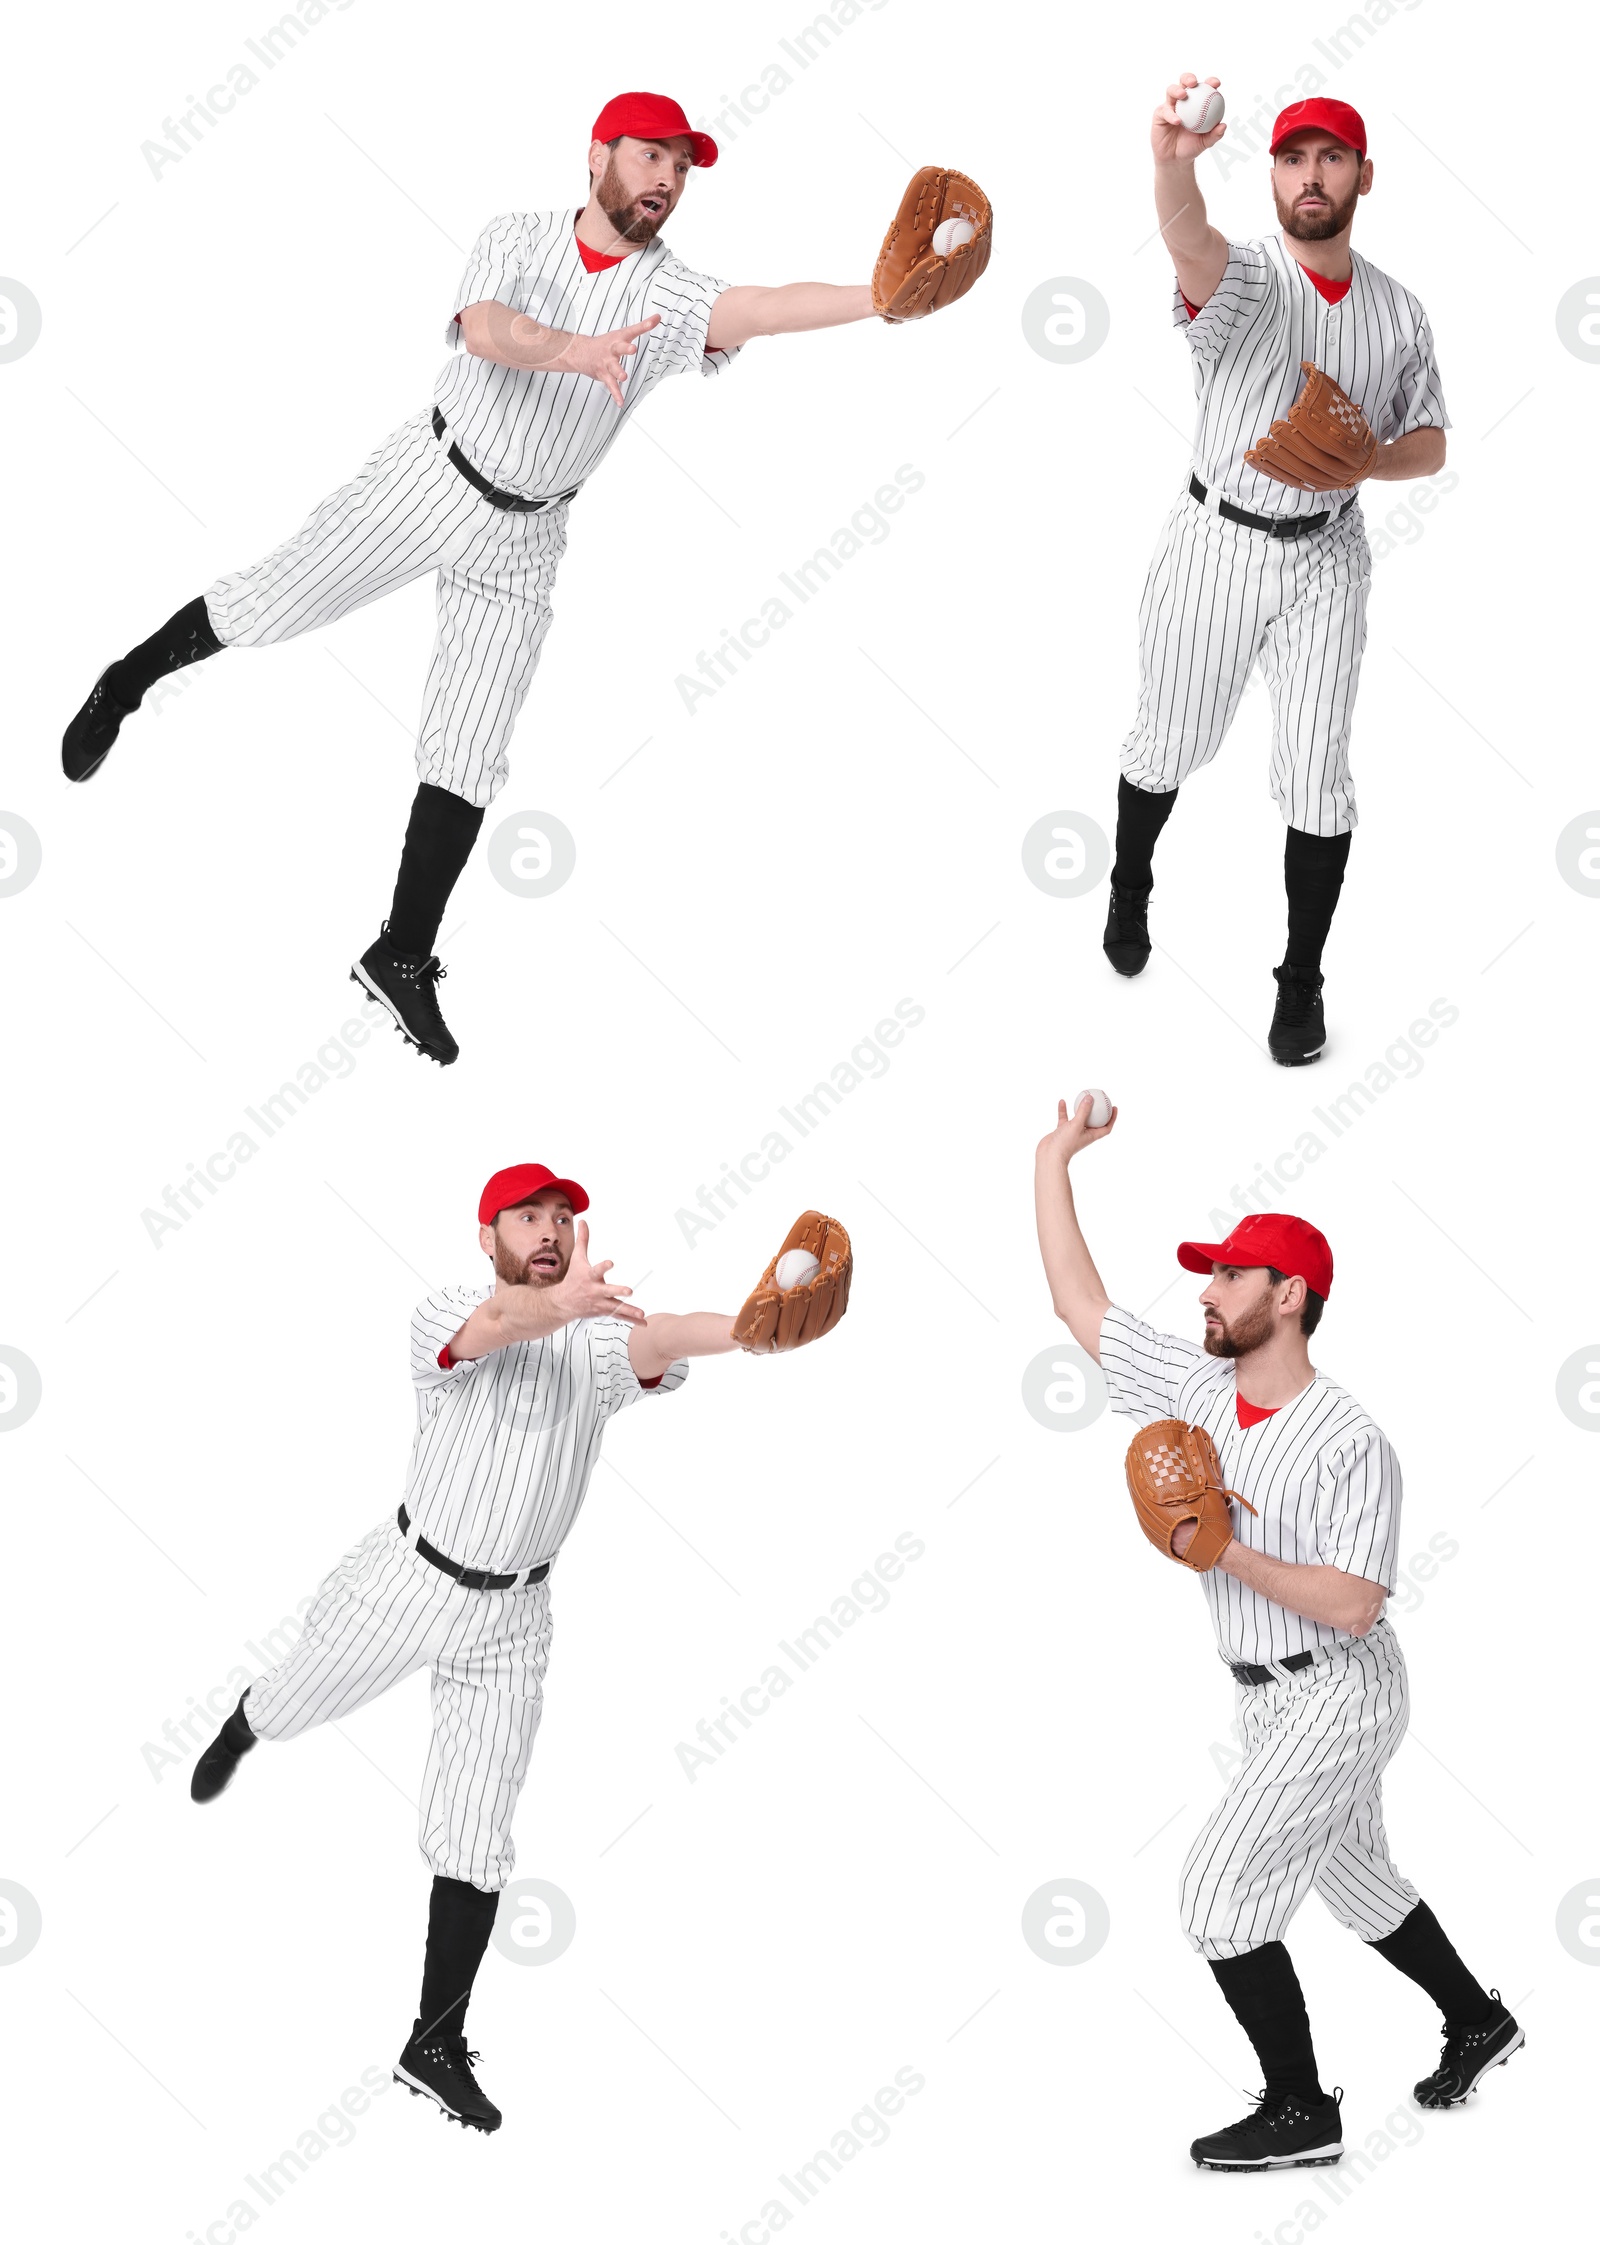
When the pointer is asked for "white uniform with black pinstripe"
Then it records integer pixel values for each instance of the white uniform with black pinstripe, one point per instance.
(1305, 1807)
(504, 1448)
(409, 511)
(1221, 597)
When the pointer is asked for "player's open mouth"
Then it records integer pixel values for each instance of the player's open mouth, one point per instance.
(549, 1262)
(652, 205)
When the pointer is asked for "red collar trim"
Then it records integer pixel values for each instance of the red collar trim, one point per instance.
(593, 262)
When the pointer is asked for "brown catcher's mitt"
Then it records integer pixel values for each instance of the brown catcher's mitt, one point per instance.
(1326, 443)
(1174, 1475)
(774, 1319)
(911, 277)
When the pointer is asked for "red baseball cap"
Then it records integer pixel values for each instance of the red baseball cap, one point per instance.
(1286, 1243)
(508, 1186)
(1336, 117)
(657, 117)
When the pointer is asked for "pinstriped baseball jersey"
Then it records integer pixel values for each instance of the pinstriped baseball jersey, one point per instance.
(1322, 1477)
(539, 434)
(505, 1444)
(1247, 342)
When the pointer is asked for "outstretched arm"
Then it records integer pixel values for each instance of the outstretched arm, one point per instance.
(491, 330)
(1325, 1594)
(661, 1340)
(1076, 1287)
(739, 314)
(1199, 253)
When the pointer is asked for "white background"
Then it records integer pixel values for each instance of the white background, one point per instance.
(840, 1896)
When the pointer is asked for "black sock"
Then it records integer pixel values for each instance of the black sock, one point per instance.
(460, 1921)
(439, 839)
(1264, 1996)
(1313, 875)
(236, 1730)
(1420, 1948)
(1140, 818)
(184, 638)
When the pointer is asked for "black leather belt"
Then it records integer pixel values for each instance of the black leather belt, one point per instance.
(1248, 1672)
(496, 497)
(470, 1578)
(1275, 525)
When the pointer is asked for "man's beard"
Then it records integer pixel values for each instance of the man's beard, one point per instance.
(627, 223)
(1310, 226)
(1251, 1331)
(513, 1269)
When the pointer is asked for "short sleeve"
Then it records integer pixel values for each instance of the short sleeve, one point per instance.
(1237, 298)
(500, 255)
(1358, 1508)
(1144, 1370)
(616, 1381)
(435, 1323)
(1418, 402)
(684, 300)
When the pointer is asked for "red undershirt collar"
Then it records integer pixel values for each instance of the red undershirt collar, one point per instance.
(1252, 1414)
(593, 262)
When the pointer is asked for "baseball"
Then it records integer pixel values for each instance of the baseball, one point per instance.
(1099, 1108)
(1201, 109)
(952, 232)
(797, 1268)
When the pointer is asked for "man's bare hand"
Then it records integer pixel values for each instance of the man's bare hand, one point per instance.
(1073, 1132)
(604, 358)
(584, 1292)
(1171, 142)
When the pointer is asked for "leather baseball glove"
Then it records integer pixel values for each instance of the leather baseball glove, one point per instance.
(774, 1318)
(1174, 1475)
(1326, 443)
(911, 278)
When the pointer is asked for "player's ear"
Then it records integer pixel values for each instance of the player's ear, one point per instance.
(486, 1238)
(1365, 187)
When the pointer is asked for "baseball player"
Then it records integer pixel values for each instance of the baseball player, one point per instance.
(1313, 371)
(1297, 1569)
(564, 322)
(515, 1383)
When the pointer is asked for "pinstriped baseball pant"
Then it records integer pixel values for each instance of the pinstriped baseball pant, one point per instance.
(1218, 600)
(385, 1612)
(406, 513)
(1306, 1807)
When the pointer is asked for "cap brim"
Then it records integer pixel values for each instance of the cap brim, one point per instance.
(1198, 1255)
(702, 150)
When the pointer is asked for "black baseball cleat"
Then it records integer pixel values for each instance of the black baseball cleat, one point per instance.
(1283, 2131)
(1470, 2053)
(213, 1773)
(1298, 1031)
(1126, 942)
(408, 987)
(89, 739)
(440, 2066)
